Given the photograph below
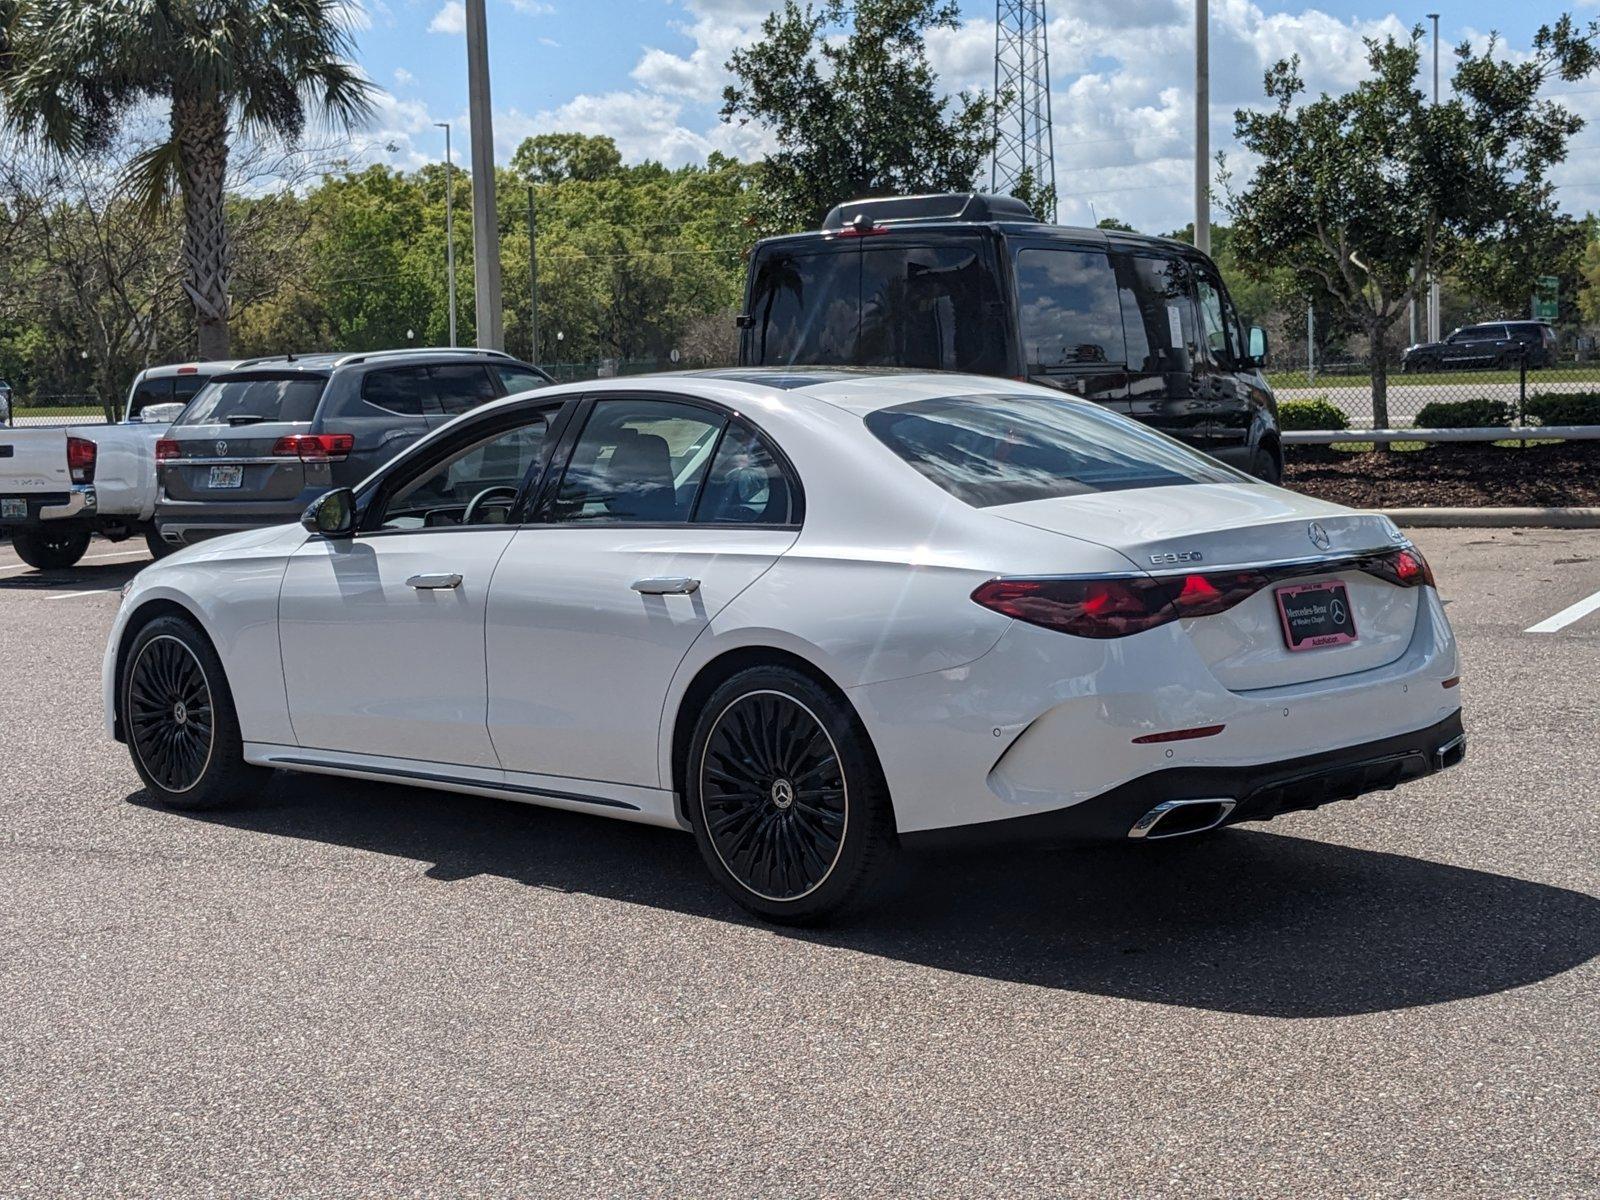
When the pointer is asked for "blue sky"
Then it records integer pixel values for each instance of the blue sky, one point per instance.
(649, 73)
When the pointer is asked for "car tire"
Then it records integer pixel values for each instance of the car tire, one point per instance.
(179, 721)
(48, 551)
(1266, 465)
(786, 798)
(158, 545)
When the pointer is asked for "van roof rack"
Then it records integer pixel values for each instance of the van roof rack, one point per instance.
(895, 210)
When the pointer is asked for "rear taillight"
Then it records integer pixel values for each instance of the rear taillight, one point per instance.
(81, 454)
(1113, 606)
(166, 448)
(315, 447)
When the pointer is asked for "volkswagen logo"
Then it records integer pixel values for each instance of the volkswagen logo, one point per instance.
(222, 448)
(1319, 536)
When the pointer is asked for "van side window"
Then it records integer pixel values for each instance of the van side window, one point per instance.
(1216, 317)
(1068, 309)
(925, 306)
(805, 309)
(1157, 312)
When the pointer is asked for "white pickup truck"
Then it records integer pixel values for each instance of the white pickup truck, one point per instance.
(61, 483)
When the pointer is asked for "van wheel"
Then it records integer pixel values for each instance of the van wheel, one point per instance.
(47, 551)
(787, 799)
(1266, 464)
(179, 719)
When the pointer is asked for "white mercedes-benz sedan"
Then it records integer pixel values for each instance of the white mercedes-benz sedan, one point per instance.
(810, 616)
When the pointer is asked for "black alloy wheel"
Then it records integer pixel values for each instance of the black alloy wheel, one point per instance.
(786, 797)
(171, 718)
(48, 549)
(177, 716)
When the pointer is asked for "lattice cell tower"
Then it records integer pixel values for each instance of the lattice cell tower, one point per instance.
(1023, 142)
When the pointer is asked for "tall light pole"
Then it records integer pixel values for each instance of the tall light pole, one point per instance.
(1434, 322)
(485, 223)
(533, 283)
(1202, 127)
(449, 224)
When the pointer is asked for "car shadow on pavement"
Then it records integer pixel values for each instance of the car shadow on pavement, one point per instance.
(87, 576)
(1245, 921)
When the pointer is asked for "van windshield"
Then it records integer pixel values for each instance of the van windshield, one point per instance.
(1005, 449)
(922, 307)
(256, 399)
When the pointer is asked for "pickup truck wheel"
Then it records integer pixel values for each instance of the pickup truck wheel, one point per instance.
(49, 551)
(179, 720)
(159, 546)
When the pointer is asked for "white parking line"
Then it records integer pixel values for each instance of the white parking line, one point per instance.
(90, 592)
(1566, 616)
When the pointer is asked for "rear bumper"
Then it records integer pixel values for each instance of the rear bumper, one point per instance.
(184, 524)
(78, 502)
(1257, 792)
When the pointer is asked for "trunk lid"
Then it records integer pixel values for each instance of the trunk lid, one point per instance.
(226, 437)
(1211, 527)
(33, 462)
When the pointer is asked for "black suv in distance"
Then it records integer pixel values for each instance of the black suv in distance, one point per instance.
(1494, 344)
(262, 441)
(977, 283)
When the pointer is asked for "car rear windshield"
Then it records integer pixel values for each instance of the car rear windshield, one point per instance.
(256, 399)
(1004, 449)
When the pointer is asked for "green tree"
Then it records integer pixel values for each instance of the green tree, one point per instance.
(557, 157)
(1363, 196)
(73, 69)
(847, 91)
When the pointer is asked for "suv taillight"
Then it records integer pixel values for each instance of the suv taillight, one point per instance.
(81, 454)
(166, 448)
(315, 447)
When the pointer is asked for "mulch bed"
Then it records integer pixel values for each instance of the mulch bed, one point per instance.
(1456, 475)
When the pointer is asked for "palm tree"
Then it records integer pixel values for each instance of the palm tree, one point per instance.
(72, 70)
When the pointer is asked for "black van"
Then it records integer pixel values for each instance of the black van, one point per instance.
(977, 283)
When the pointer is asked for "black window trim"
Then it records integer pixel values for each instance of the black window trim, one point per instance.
(538, 514)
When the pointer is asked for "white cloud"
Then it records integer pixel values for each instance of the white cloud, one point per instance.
(451, 19)
(403, 77)
(535, 8)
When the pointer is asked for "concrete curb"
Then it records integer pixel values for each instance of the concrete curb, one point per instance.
(1495, 518)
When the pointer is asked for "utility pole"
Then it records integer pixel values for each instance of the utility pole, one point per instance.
(1202, 127)
(533, 283)
(1434, 323)
(485, 222)
(449, 225)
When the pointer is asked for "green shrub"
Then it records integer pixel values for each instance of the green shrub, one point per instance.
(1317, 413)
(1464, 414)
(1564, 408)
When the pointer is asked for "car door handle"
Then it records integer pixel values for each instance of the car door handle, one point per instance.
(440, 582)
(672, 586)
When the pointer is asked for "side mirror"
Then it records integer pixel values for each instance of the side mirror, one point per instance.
(332, 514)
(1258, 346)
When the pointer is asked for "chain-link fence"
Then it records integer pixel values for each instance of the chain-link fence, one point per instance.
(67, 408)
(1563, 391)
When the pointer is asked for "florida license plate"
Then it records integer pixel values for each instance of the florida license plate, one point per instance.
(227, 477)
(14, 510)
(1316, 615)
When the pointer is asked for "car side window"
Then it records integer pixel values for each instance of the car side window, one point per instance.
(637, 462)
(1157, 312)
(403, 391)
(461, 387)
(477, 485)
(515, 377)
(746, 485)
(1216, 321)
(1068, 309)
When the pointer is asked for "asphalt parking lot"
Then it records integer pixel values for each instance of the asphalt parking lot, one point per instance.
(363, 990)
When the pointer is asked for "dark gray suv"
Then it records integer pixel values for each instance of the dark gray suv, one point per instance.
(262, 441)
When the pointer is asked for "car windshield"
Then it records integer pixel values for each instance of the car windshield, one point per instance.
(1005, 449)
(256, 399)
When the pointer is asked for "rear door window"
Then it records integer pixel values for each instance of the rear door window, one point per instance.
(461, 387)
(637, 462)
(256, 399)
(1068, 310)
(405, 392)
(928, 307)
(746, 484)
(1004, 449)
(515, 377)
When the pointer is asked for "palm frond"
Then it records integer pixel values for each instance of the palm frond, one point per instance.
(151, 177)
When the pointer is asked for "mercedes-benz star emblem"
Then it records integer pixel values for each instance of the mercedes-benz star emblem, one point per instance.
(1338, 613)
(222, 448)
(782, 793)
(1319, 536)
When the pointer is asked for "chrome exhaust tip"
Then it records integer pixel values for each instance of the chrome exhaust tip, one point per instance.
(1175, 818)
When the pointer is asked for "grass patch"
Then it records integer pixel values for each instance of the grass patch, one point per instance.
(1369, 447)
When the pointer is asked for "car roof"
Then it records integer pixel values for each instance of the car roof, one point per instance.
(169, 370)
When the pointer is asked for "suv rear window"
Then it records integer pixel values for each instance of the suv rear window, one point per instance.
(233, 401)
(1005, 449)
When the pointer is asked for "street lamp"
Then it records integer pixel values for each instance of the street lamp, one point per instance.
(449, 225)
